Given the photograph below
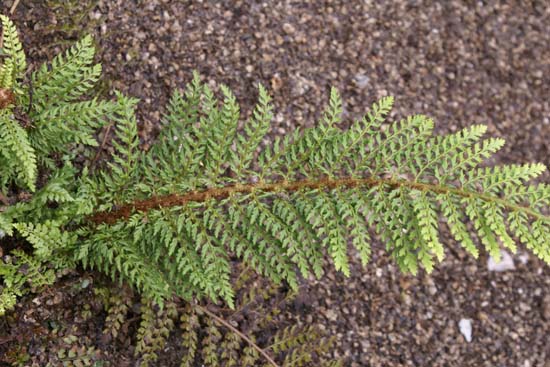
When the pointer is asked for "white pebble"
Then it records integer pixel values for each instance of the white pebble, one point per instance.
(524, 258)
(465, 326)
(506, 263)
(362, 80)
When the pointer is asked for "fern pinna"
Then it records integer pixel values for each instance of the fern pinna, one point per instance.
(171, 220)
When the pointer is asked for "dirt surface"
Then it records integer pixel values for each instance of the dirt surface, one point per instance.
(460, 62)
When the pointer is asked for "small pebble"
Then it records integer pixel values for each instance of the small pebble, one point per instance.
(288, 28)
(362, 81)
(506, 263)
(465, 326)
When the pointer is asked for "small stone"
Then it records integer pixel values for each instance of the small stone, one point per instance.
(176, 27)
(331, 315)
(289, 28)
(362, 81)
(279, 40)
(465, 327)
(524, 258)
(506, 263)
(276, 82)
(431, 287)
(524, 307)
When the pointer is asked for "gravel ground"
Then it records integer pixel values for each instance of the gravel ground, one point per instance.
(460, 62)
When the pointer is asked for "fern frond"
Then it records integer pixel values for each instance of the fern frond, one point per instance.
(171, 220)
(16, 151)
(71, 75)
(154, 329)
(70, 123)
(210, 344)
(189, 338)
(46, 238)
(314, 193)
(18, 272)
(14, 64)
(124, 166)
(117, 307)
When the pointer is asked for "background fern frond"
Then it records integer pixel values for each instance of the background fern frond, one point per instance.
(70, 76)
(48, 238)
(14, 64)
(58, 128)
(17, 152)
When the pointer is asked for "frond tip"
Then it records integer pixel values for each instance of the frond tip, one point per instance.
(281, 209)
(14, 65)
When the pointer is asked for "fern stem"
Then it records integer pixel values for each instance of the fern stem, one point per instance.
(241, 335)
(218, 193)
(102, 146)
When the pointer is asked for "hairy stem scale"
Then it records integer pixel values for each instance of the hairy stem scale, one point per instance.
(124, 211)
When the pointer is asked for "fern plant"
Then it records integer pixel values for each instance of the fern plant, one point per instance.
(171, 220)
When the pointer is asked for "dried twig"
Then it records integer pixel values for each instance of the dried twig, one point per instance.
(241, 335)
(12, 9)
(102, 146)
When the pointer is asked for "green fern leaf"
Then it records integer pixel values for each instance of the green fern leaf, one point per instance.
(15, 146)
(14, 65)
